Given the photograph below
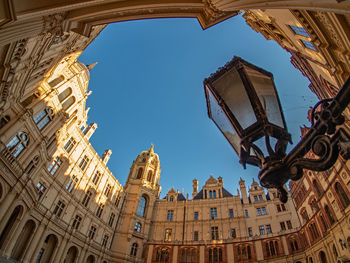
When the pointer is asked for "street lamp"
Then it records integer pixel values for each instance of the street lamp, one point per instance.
(243, 103)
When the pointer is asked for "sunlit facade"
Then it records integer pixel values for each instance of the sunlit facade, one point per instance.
(60, 203)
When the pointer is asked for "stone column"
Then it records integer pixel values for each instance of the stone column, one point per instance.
(150, 254)
(285, 246)
(33, 244)
(175, 251)
(201, 254)
(60, 250)
(229, 252)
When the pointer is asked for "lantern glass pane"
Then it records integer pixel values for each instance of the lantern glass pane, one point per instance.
(222, 122)
(265, 90)
(231, 89)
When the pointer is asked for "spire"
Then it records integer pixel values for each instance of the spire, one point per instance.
(90, 66)
(151, 149)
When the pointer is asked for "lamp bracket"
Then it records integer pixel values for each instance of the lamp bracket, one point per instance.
(325, 140)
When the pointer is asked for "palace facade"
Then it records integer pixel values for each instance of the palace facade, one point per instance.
(60, 203)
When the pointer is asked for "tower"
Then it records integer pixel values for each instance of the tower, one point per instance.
(142, 190)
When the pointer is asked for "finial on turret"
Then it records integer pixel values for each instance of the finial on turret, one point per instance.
(151, 149)
(90, 66)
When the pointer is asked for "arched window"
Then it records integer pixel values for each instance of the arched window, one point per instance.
(149, 176)
(323, 257)
(162, 255)
(18, 143)
(329, 214)
(43, 118)
(210, 194)
(335, 252)
(317, 188)
(133, 250)
(56, 81)
(171, 199)
(141, 209)
(215, 255)
(64, 94)
(139, 173)
(69, 102)
(214, 194)
(342, 195)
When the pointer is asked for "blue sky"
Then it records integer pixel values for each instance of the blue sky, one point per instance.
(148, 88)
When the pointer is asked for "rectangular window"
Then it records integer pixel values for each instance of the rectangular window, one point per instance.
(195, 235)
(268, 229)
(263, 211)
(283, 207)
(92, 232)
(76, 222)
(299, 31)
(308, 44)
(108, 189)
(170, 215)
(213, 213)
(195, 216)
(255, 198)
(104, 241)
(100, 210)
(260, 197)
(246, 213)
(258, 211)
(43, 118)
(86, 198)
(262, 230)
(111, 219)
(168, 237)
(59, 208)
(283, 226)
(55, 164)
(289, 224)
(41, 189)
(250, 232)
(214, 233)
(117, 201)
(69, 145)
(230, 213)
(84, 162)
(278, 208)
(233, 233)
(96, 177)
(73, 180)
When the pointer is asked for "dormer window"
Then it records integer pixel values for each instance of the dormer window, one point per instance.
(171, 199)
(212, 194)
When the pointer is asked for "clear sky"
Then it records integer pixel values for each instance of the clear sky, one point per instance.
(148, 88)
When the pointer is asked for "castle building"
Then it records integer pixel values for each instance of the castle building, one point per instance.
(60, 203)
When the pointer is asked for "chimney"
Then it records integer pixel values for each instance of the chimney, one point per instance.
(195, 187)
(106, 155)
(90, 130)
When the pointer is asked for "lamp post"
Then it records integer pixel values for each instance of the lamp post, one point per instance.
(243, 103)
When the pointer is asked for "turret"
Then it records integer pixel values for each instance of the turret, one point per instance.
(195, 187)
(243, 190)
(90, 130)
(106, 155)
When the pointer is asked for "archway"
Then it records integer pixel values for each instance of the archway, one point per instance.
(72, 254)
(47, 249)
(10, 225)
(23, 240)
(323, 257)
(90, 259)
